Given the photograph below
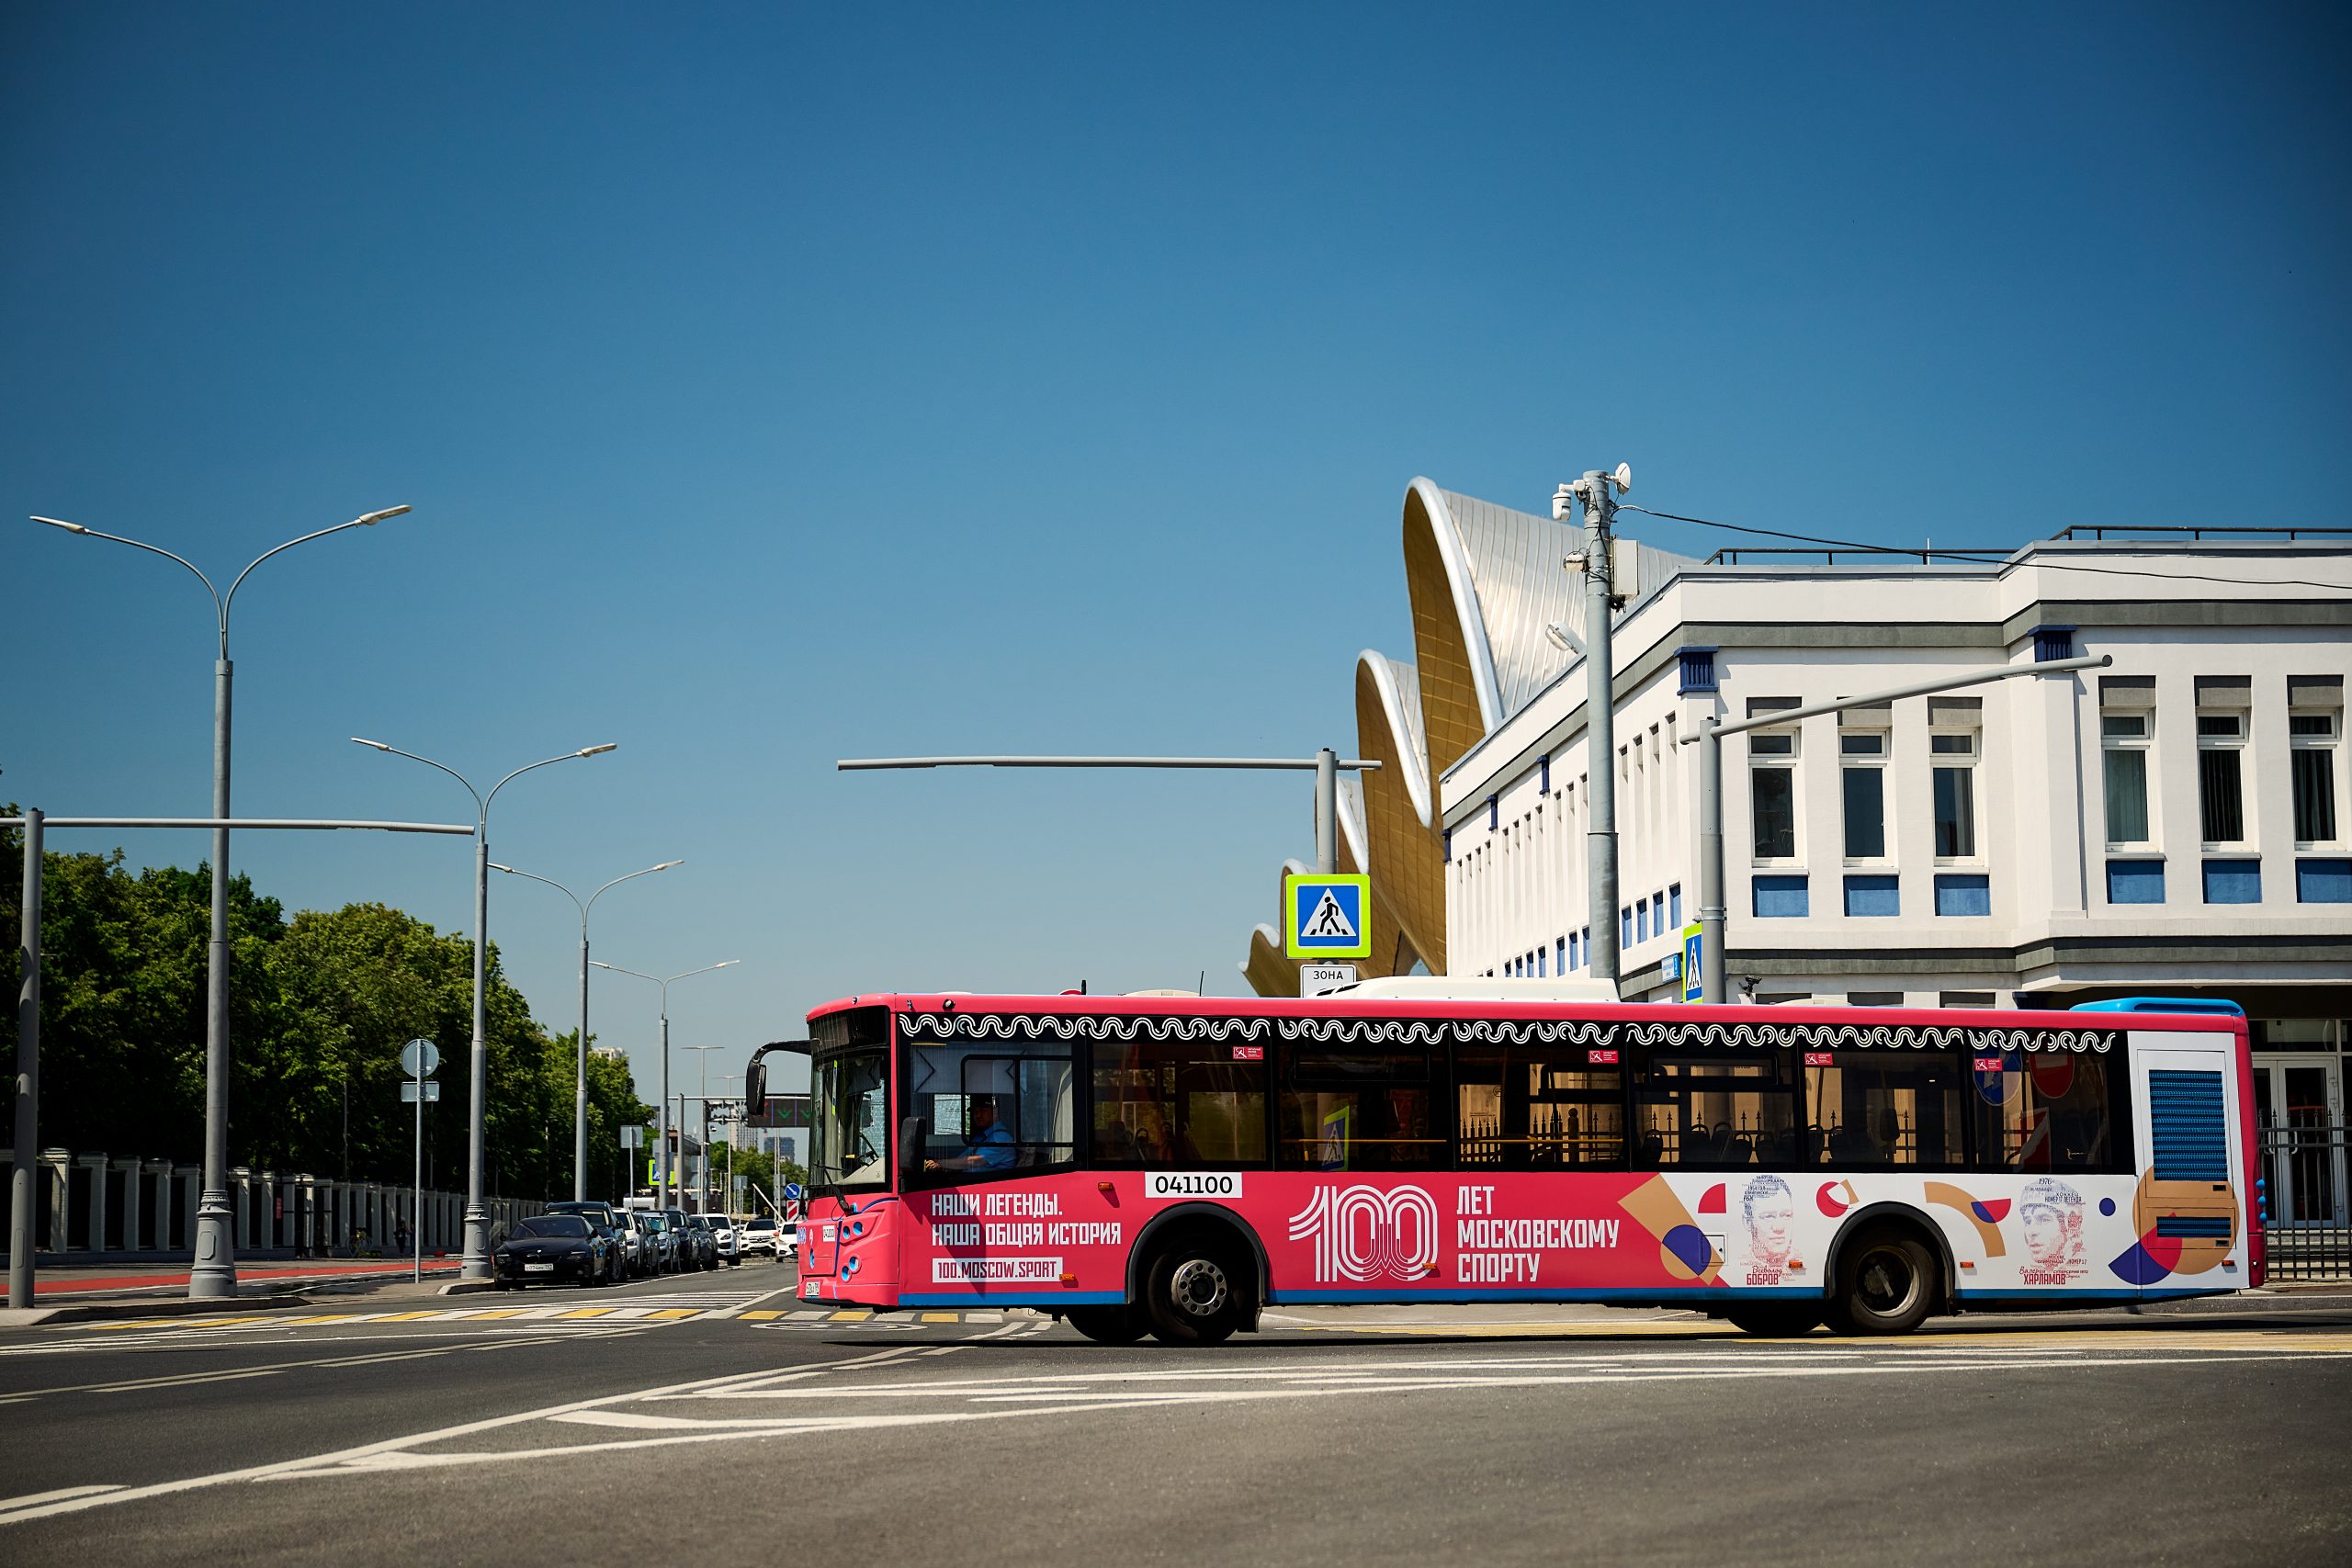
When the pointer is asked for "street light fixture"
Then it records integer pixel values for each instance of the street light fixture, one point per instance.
(668, 1166)
(214, 1273)
(477, 1265)
(579, 1087)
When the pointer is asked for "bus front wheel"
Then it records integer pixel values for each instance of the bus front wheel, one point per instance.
(1194, 1294)
(1109, 1324)
(1888, 1281)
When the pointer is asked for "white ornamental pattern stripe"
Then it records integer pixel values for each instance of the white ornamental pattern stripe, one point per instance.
(1331, 1030)
(1364, 1233)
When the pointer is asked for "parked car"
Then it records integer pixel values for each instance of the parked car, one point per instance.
(760, 1233)
(610, 1223)
(667, 1258)
(552, 1249)
(724, 1238)
(648, 1243)
(696, 1249)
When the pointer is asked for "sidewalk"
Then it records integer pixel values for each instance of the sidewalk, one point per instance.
(101, 1290)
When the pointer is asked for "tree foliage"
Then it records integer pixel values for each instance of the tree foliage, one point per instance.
(318, 1007)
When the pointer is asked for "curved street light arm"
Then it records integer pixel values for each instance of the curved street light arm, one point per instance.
(552, 882)
(220, 605)
(617, 881)
(369, 521)
(600, 964)
(481, 806)
(548, 762)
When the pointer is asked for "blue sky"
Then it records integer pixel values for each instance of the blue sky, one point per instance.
(776, 384)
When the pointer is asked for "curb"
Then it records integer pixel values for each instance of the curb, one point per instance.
(175, 1306)
(468, 1287)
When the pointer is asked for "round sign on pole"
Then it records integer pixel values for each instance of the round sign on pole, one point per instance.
(418, 1058)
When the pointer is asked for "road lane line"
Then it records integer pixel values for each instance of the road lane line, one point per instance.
(8, 1503)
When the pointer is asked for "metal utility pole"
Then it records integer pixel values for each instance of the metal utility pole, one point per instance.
(21, 1240)
(476, 1263)
(1601, 702)
(669, 1164)
(579, 1080)
(1325, 765)
(1711, 958)
(702, 1080)
(214, 1273)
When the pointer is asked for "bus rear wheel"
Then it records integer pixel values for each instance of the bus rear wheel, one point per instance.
(1109, 1324)
(1777, 1320)
(1193, 1294)
(1888, 1281)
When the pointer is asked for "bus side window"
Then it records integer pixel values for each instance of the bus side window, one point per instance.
(1714, 1110)
(1539, 1108)
(1884, 1109)
(2051, 1111)
(1178, 1105)
(1366, 1108)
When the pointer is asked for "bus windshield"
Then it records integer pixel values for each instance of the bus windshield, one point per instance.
(848, 1152)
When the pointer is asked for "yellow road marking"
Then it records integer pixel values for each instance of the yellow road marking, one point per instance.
(499, 1311)
(671, 1312)
(585, 1311)
(760, 1316)
(136, 1323)
(941, 1317)
(409, 1316)
(850, 1316)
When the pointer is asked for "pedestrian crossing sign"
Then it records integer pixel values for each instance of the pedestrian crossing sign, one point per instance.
(1326, 915)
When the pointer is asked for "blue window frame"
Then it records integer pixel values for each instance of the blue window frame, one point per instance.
(2234, 881)
(1543, 774)
(2135, 882)
(1873, 896)
(1781, 897)
(1449, 846)
(2050, 643)
(1560, 957)
(1698, 671)
(1674, 907)
(2323, 881)
(1494, 812)
(1963, 893)
(1641, 920)
(1625, 928)
(1572, 951)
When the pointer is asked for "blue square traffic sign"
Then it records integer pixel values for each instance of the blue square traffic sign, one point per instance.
(1326, 915)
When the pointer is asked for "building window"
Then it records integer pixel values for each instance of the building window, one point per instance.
(2224, 705)
(2234, 881)
(1862, 775)
(1698, 672)
(1873, 898)
(2311, 762)
(1955, 795)
(1964, 998)
(1625, 928)
(2135, 882)
(1874, 998)
(2323, 881)
(1641, 920)
(1963, 894)
(1772, 783)
(1674, 907)
(2127, 717)
(2052, 643)
(1560, 956)
(1781, 897)
(1572, 952)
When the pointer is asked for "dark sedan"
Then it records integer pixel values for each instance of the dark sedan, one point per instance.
(552, 1249)
(696, 1248)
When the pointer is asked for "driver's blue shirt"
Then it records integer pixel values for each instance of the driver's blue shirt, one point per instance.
(994, 1147)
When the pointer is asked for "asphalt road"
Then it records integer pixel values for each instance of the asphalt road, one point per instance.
(711, 1418)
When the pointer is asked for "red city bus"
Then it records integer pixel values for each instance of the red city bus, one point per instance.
(1172, 1165)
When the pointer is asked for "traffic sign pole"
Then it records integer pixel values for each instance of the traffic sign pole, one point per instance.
(420, 1057)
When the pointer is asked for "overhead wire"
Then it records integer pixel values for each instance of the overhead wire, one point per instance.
(1988, 557)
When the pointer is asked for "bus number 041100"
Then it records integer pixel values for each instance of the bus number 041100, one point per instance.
(1193, 1184)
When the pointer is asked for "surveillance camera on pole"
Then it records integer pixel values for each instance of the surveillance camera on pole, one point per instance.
(1597, 492)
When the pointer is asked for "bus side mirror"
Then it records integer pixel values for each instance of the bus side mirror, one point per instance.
(756, 1089)
(912, 1132)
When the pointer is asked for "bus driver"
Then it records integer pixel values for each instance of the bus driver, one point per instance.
(990, 1144)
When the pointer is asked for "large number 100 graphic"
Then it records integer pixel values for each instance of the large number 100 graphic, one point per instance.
(1363, 1233)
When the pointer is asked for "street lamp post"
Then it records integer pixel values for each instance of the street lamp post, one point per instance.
(214, 1273)
(476, 1264)
(579, 1083)
(668, 1166)
(703, 1099)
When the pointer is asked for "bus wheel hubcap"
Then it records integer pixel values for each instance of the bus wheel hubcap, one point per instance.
(1886, 1282)
(1198, 1286)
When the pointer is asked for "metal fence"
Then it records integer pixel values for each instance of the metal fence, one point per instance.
(2303, 1200)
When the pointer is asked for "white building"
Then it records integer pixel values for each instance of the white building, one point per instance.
(2179, 822)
